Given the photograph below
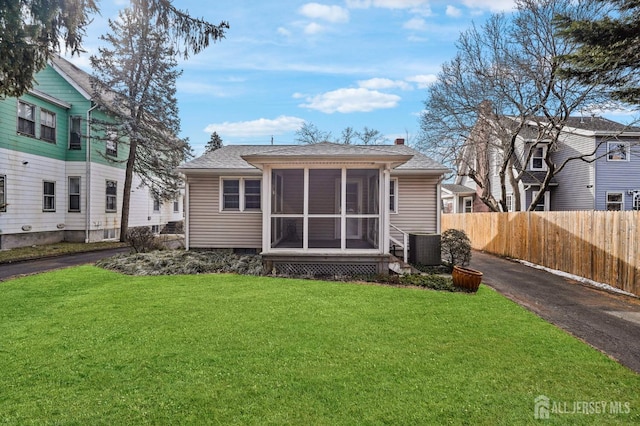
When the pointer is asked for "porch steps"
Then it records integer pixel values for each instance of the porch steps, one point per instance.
(400, 267)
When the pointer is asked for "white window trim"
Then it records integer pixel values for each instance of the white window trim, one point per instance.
(241, 206)
(35, 122)
(3, 187)
(79, 210)
(464, 204)
(627, 151)
(546, 200)
(54, 126)
(509, 199)
(394, 182)
(534, 148)
(106, 196)
(606, 200)
(44, 196)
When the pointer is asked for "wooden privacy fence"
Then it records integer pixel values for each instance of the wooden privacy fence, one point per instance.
(602, 246)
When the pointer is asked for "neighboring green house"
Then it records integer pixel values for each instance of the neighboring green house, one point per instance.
(57, 180)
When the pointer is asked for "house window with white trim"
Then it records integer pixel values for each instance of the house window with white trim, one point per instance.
(156, 204)
(618, 151)
(509, 202)
(467, 205)
(48, 196)
(26, 119)
(3, 192)
(74, 194)
(47, 126)
(543, 204)
(75, 133)
(240, 194)
(615, 201)
(176, 205)
(111, 196)
(111, 144)
(538, 154)
(393, 195)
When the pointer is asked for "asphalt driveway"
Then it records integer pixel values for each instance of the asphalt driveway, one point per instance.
(607, 321)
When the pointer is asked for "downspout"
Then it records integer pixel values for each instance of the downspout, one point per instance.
(88, 176)
(439, 205)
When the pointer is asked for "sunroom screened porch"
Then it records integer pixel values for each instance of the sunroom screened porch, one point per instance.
(320, 203)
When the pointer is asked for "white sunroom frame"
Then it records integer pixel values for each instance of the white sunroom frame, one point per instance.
(383, 214)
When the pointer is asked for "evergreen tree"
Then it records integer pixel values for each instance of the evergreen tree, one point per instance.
(135, 82)
(34, 30)
(215, 142)
(608, 45)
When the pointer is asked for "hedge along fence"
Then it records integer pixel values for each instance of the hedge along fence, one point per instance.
(599, 245)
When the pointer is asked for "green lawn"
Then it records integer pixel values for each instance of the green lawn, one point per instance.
(89, 346)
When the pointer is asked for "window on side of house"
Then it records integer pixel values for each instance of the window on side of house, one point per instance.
(156, 204)
(537, 158)
(615, 201)
(111, 143)
(3, 193)
(48, 196)
(393, 195)
(618, 151)
(543, 204)
(252, 194)
(47, 126)
(75, 133)
(240, 194)
(176, 205)
(111, 193)
(26, 119)
(467, 205)
(509, 202)
(74, 194)
(636, 201)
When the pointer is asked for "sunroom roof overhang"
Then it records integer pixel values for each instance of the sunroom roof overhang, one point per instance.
(259, 160)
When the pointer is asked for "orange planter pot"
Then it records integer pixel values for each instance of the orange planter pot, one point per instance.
(466, 278)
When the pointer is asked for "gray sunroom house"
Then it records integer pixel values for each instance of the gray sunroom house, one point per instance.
(320, 208)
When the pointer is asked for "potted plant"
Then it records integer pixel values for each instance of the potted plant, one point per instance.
(456, 252)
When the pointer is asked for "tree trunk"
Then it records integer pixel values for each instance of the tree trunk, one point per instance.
(126, 194)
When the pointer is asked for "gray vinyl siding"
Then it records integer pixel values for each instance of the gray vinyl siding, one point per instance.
(417, 204)
(575, 190)
(211, 228)
(617, 176)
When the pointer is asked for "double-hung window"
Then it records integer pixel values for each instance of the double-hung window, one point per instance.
(3, 193)
(537, 158)
(240, 194)
(47, 126)
(48, 196)
(156, 204)
(74, 194)
(26, 119)
(393, 195)
(615, 201)
(111, 193)
(75, 133)
(618, 151)
(111, 143)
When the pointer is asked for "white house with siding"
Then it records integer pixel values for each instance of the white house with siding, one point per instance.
(58, 181)
(326, 208)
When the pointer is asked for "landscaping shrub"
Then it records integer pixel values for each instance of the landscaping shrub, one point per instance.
(142, 240)
(456, 248)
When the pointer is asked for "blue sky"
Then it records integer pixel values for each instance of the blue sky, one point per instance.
(335, 64)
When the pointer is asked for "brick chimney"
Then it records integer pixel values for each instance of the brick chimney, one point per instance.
(399, 141)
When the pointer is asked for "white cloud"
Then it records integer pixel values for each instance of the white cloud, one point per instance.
(387, 4)
(491, 5)
(334, 14)
(313, 28)
(423, 80)
(383, 83)
(284, 32)
(416, 24)
(453, 11)
(259, 127)
(351, 100)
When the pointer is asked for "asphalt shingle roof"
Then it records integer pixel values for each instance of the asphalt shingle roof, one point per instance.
(457, 189)
(230, 157)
